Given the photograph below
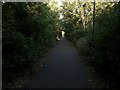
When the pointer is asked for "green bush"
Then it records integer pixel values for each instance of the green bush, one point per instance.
(104, 45)
(29, 29)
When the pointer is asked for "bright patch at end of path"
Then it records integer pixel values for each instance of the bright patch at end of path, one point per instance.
(63, 69)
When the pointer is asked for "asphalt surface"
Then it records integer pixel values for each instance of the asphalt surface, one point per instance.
(63, 69)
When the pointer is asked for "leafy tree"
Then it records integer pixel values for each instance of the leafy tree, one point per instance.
(29, 29)
(78, 19)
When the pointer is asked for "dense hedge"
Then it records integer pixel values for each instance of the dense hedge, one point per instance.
(29, 29)
(107, 45)
(104, 45)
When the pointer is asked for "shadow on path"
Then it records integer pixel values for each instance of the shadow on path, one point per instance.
(63, 69)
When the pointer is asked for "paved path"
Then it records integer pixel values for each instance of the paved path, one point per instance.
(63, 69)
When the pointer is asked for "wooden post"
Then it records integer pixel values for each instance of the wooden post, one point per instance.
(93, 17)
